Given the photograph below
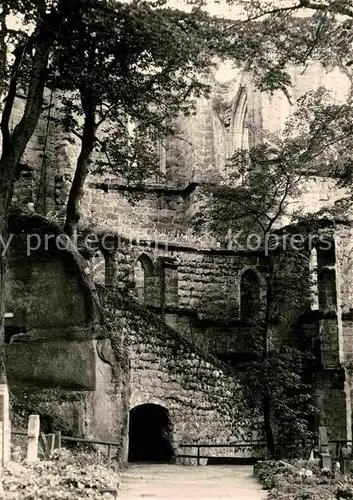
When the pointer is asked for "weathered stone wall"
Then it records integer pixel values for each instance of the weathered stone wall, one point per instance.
(58, 359)
(333, 380)
(196, 291)
(83, 375)
(39, 280)
(204, 399)
(335, 287)
(334, 401)
(203, 276)
(107, 206)
(344, 251)
(185, 283)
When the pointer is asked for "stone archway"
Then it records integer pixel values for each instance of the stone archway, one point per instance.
(150, 436)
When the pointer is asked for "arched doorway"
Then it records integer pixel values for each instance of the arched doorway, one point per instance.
(150, 434)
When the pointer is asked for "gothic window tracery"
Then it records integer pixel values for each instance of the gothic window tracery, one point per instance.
(231, 131)
(240, 132)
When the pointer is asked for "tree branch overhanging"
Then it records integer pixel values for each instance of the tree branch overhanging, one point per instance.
(89, 107)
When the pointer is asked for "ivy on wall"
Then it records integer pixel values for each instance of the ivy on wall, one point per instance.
(132, 326)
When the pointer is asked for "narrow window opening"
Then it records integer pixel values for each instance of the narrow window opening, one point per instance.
(249, 295)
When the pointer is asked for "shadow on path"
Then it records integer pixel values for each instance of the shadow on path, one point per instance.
(172, 482)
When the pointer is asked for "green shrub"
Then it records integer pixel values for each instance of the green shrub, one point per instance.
(66, 476)
(301, 480)
(344, 492)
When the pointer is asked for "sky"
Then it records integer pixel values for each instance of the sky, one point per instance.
(214, 7)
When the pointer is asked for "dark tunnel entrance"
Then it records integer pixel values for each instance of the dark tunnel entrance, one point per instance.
(150, 434)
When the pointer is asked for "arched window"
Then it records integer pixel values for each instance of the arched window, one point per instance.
(144, 279)
(314, 288)
(230, 124)
(249, 295)
(240, 131)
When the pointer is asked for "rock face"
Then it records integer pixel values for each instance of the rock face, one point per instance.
(53, 364)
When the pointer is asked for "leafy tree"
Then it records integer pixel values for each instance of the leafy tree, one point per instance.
(277, 35)
(140, 64)
(116, 78)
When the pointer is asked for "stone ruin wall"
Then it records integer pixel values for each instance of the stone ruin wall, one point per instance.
(204, 142)
(197, 292)
(344, 294)
(333, 331)
(49, 342)
(194, 276)
(204, 405)
(170, 209)
(73, 370)
(57, 332)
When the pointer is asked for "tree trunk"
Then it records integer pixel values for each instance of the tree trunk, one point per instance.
(2, 318)
(14, 144)
(270, 442)
(267, 399)
(82, 166)
(13, 148)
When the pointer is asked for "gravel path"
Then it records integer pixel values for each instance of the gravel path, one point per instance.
(172, 482)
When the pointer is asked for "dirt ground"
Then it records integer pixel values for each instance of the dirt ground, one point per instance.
(172, 482)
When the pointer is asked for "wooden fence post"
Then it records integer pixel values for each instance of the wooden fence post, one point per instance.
(58, 440)
(5, 426)
(345, 462)
(33, 435)
(50, 444)
(324, 450)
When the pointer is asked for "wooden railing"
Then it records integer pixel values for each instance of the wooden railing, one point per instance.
(58, 438)
(109, 444)
(19, 433)
(336, 445)
(236, 446)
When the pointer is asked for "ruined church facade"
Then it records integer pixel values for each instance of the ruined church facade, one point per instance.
(152, 256)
